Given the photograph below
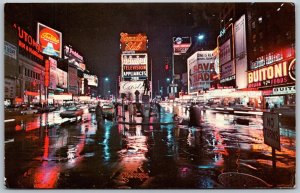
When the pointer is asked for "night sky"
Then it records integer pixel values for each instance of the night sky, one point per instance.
(94, 29)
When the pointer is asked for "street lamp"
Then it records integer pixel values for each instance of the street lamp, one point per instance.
(168, 79)
(106, 79)
(200, 37)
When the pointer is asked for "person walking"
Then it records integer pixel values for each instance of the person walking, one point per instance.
(131, 111)
(99, 113)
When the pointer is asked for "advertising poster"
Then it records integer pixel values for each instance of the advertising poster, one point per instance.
(73, 85)
(240, 52)
(181, 45)
(200, 70)
(53, 71)
(10, 50)
(133, 42)
(61, 78)
(92, 79)
(134, 66)
(50, 40)
(227, 71)
(225, 52)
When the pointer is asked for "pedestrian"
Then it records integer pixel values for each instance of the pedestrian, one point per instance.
(158, 108)
(146, 85)
(131, 111)
(116, 110)
(99, 113)
(267, 105)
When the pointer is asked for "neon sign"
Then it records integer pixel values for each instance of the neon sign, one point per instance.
(275, 74)
(133, 42)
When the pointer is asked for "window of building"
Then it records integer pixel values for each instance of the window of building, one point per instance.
(254, 38)
(261, 48)
(253, 25)
(260, 20)
(261, 35)
(254, 49)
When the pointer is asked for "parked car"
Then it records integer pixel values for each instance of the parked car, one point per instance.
(108, 111)
(71, 112)
(92, 108)
(28, 111)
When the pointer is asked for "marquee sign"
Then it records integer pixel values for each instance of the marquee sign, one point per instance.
(276, 74)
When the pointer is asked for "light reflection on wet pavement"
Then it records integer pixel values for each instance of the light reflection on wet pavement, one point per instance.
(45, 151)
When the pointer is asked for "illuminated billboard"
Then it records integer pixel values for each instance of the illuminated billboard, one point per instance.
(181, 45)
(74, 57)
(72, 83)
(61, 78)
(280, 73)
(92, 79)
(50, 40)
(133, 42)
(200, 68)
(52, 78)
(240, 41)
(134, 66)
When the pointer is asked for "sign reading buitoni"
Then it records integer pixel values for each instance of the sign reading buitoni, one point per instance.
(271, 130)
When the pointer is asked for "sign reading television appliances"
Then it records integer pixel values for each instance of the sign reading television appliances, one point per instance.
(134, 66)
(50, 40)
(181, 45)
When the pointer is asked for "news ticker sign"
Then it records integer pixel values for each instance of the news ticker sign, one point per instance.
(271, 129)
(134, 66)
(181, 45)
(50, 40)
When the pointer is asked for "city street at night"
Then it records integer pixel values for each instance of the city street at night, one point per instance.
(141, 156)
(170, 95)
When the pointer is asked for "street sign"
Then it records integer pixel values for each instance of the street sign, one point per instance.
(271, 129)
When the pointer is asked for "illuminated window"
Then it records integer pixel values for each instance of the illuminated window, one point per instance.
(254, 49)
(261, 48)
(260, 19)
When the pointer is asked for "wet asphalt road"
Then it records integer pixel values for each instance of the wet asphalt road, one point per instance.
(84, 155)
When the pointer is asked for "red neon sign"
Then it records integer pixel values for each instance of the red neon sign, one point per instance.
(47, 72)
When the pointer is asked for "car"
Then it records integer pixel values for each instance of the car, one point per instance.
(71, 112)
(92, 108)
(28, 111)
(108, 111)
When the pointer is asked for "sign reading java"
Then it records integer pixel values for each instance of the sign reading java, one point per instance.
(276, 74)
(50, 40)
(133, 42)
